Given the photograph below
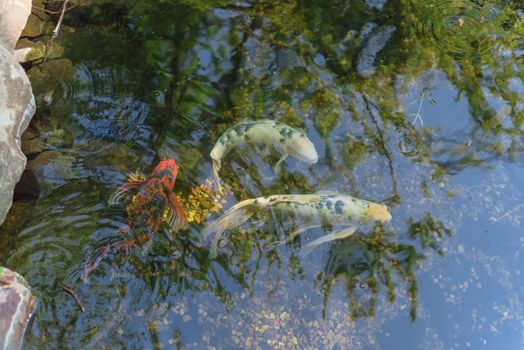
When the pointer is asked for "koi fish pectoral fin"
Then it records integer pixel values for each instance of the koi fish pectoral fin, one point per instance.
(296, 232)
(346, 232)
(176, 217)
(99, 254)
(127, 189)
(277, 167)
(292, 235)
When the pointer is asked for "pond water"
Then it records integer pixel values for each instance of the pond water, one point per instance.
(414, 104)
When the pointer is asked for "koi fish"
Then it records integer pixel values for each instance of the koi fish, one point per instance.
(287, 140)
(151, 202)
(335, 209)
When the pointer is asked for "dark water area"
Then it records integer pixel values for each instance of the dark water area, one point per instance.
(417, 105)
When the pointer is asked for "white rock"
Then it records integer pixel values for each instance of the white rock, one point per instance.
(17, 106)
(17, 304)
(17, 103)
(13, 17)
(21, 54)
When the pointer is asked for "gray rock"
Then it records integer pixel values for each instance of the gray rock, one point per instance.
(17, 104)
(13, 17)
(16, 308)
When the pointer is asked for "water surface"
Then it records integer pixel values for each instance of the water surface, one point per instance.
(417, 105)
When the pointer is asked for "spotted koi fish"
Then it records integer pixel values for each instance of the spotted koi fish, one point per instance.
(288, 141)
(150, 202)
(336, 209)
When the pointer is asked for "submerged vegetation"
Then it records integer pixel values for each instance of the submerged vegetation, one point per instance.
(399, 97)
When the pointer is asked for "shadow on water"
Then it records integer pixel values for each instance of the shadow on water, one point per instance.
(415, 105)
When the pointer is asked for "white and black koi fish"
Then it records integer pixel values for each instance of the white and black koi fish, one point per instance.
(335, 209)
(289, 141)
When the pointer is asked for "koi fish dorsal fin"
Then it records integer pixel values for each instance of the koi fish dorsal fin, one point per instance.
(176, 217)
(127, 189)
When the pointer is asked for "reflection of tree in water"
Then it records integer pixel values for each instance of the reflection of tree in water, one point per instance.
(296, 62)
(377, 262)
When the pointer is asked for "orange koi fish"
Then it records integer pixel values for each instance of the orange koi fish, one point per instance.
(150, 203)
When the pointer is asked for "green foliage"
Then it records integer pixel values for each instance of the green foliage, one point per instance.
(428, 232)
(377, 262)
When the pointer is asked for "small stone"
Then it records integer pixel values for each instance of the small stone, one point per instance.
(16, 307)
(12, 25)
(284, 316)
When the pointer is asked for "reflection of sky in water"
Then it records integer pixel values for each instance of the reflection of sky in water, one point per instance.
(472, 298)
(447, 113)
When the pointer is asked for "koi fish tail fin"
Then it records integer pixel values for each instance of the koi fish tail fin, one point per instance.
(216, 167)
(100, 253)
(234, 217)
(96, 258)
(177, 216)
(127, 189)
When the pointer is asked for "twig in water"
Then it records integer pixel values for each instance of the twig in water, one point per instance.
(426, 94)
(73, 294)
(382, 142)
(56, 31)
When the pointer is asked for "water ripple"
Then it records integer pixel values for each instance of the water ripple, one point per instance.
(465, 29)
(102, 103)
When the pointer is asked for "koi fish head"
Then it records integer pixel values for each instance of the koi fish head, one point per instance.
(301, 147)
(378, 212)
(217, 152)
(167, 170)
